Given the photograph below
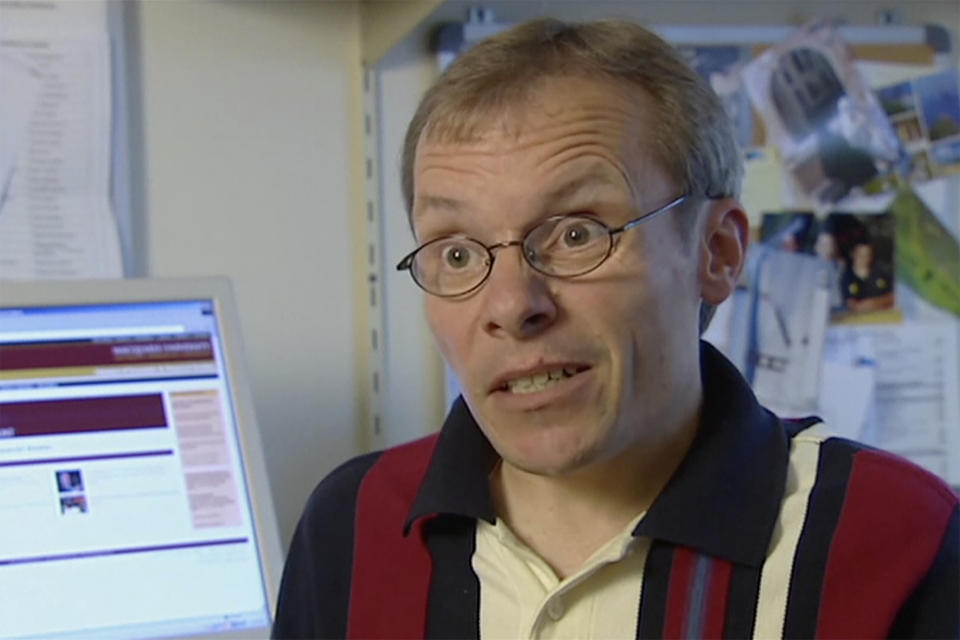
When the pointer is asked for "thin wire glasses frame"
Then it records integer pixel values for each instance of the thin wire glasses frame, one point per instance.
(531, 255)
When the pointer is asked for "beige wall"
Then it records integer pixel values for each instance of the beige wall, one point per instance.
(250, 134)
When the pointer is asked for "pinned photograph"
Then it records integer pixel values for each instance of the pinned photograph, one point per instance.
(857, 250)
(819, 111)
(925, 113)
(940, 104)
(928, 255)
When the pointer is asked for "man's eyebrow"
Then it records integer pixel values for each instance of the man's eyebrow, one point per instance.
(591, 179)
(427, 201)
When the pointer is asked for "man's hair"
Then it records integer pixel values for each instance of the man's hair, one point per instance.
(692, 138)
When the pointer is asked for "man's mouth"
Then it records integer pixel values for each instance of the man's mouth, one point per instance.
(541, 380)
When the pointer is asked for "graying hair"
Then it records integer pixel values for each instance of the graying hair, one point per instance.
(695, 142)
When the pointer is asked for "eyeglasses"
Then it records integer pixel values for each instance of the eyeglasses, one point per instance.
(561, 246)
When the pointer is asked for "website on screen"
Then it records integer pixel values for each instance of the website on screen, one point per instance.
(123, 501)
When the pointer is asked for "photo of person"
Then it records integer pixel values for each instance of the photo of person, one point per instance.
(866, 287)
(866, 244)
(858, 248)
(73, 504)
(69, 481)
(825, 246)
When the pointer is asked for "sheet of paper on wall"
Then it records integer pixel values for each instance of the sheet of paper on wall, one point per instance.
(788, 304)
(846, 397)
(847, 381)
(56, 218)
(915, 408)
(20, 87)
(821, 113)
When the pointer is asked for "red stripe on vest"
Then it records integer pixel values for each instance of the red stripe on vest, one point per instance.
(678, 592)
(892, 524)
(391, 572)
(718, 596)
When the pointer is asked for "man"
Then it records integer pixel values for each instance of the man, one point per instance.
(864, 284)
(572, 190)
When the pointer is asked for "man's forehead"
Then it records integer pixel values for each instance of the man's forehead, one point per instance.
(576, 179)
(553, 101)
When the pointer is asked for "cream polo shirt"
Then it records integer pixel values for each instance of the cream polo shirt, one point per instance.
(522, 597)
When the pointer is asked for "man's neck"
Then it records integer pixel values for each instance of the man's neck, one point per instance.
(567, 518)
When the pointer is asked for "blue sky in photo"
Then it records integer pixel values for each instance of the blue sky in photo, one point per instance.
(939, 96)
(902, 93)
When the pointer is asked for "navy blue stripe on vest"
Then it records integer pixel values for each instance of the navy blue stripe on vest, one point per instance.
(653, 596)
(742, 602)
(793, 426)
(810, 561)
(933, 611)
(454, 610)
(315, 591)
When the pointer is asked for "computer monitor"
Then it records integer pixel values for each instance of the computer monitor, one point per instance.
(134, 499)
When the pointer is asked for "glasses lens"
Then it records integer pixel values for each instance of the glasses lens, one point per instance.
(567, 245)
(450, 266)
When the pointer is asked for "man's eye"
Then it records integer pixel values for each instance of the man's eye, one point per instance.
(577, 233)
(456, 256)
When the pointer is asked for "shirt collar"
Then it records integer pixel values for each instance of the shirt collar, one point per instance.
(723, 499)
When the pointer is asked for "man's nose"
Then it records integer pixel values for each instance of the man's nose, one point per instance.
(518, 300)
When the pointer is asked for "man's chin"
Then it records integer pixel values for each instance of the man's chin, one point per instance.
(554, 459)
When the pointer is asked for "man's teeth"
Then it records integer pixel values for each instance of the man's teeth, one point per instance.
(540, 381)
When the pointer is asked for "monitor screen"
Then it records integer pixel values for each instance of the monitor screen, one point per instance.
(133, 496)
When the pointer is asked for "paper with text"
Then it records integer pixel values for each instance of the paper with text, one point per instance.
(56, 217)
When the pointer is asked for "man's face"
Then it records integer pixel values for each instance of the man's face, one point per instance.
(826, 246)
(564, 373)
(862, 257)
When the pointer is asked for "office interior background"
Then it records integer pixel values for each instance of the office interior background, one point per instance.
(262, 141)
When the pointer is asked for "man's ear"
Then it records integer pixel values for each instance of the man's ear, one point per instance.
(723, 249)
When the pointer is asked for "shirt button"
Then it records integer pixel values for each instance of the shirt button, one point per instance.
(555, 609)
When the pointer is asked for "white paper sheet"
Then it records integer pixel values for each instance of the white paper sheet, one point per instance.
(19, 86)
(846, 397)
(789, 308)
(916, 396)
(56, 219)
